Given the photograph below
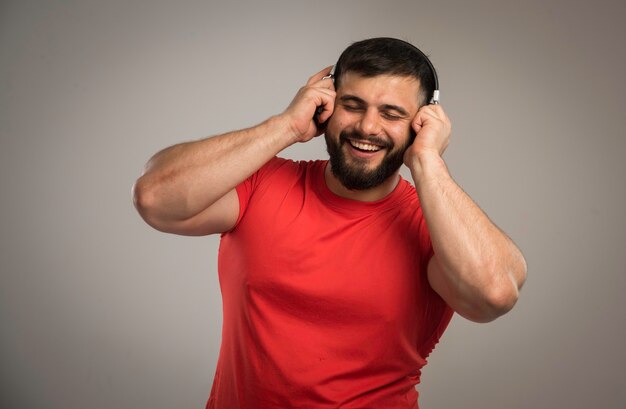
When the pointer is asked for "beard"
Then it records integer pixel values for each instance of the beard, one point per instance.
(357, 175)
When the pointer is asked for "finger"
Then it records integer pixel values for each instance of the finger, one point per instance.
(317, 77)
(436, 111)
(326, 104)
(430, 110)
(431, 113)
(325, 91)
(429, 119)
(423, 117)
(327, 83)
(327, 111)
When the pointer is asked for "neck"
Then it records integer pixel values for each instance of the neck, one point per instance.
(366, 195)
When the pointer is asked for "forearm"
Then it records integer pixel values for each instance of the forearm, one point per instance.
(481, 267)
(184, 179)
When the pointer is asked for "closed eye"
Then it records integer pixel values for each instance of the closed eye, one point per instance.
(393, 112)
(352, 108)
(352, 103)
(391, 117)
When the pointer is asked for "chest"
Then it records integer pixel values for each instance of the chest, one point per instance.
(314, 258)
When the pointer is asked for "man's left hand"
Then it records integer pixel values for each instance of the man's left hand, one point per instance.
(432, 127)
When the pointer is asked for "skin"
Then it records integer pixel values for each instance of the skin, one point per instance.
(189, 188)
(379, 109)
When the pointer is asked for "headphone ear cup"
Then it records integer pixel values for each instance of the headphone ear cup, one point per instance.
(320, 126)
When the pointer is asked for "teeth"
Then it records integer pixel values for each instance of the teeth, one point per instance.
(365, 146)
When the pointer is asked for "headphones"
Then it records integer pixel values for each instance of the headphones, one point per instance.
(434, 99)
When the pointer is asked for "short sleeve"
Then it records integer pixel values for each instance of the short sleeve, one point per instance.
(246, 189)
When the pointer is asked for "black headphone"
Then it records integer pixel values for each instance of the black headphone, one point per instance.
(434, 99)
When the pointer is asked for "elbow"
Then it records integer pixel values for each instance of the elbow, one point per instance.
(492, 306)
(500, 301)
(143, 199)
(500, 296)
(156, 208)
(146, 202)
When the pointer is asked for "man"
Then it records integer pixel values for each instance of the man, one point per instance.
(338, 277)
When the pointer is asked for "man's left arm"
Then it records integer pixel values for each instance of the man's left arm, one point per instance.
(476, 268)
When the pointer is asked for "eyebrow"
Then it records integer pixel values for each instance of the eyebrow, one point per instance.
(384, 107)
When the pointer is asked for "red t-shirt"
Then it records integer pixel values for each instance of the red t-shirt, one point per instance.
(326, 301)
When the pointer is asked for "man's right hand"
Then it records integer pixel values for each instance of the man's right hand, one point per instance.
(319, 92)
(189, 188)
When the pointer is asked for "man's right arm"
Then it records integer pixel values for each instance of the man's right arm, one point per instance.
(189, 188)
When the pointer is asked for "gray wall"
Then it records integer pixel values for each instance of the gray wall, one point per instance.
(97, 310)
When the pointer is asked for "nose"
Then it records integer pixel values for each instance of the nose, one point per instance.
(369, 123)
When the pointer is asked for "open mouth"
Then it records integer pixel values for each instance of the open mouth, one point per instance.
(364, 146)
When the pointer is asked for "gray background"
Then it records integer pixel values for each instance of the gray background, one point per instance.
(97, 310)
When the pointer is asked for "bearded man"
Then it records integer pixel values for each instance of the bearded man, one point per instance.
(338, 277)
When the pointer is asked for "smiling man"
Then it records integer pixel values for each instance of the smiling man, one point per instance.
(373, 122)
(338, 277)
(390, 97)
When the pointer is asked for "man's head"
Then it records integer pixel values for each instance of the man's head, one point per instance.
(380, 84)
(390, 56)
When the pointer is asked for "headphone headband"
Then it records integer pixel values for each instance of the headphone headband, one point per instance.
(435, 97)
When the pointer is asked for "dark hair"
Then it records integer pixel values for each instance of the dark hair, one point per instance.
(391, 56)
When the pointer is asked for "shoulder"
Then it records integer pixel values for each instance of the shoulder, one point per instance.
(407, 198)
(278, 187)
(407, 209)
(289, 168)
(290, 165)
(279, 174)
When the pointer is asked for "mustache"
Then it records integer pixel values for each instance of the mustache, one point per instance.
(345, 135)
